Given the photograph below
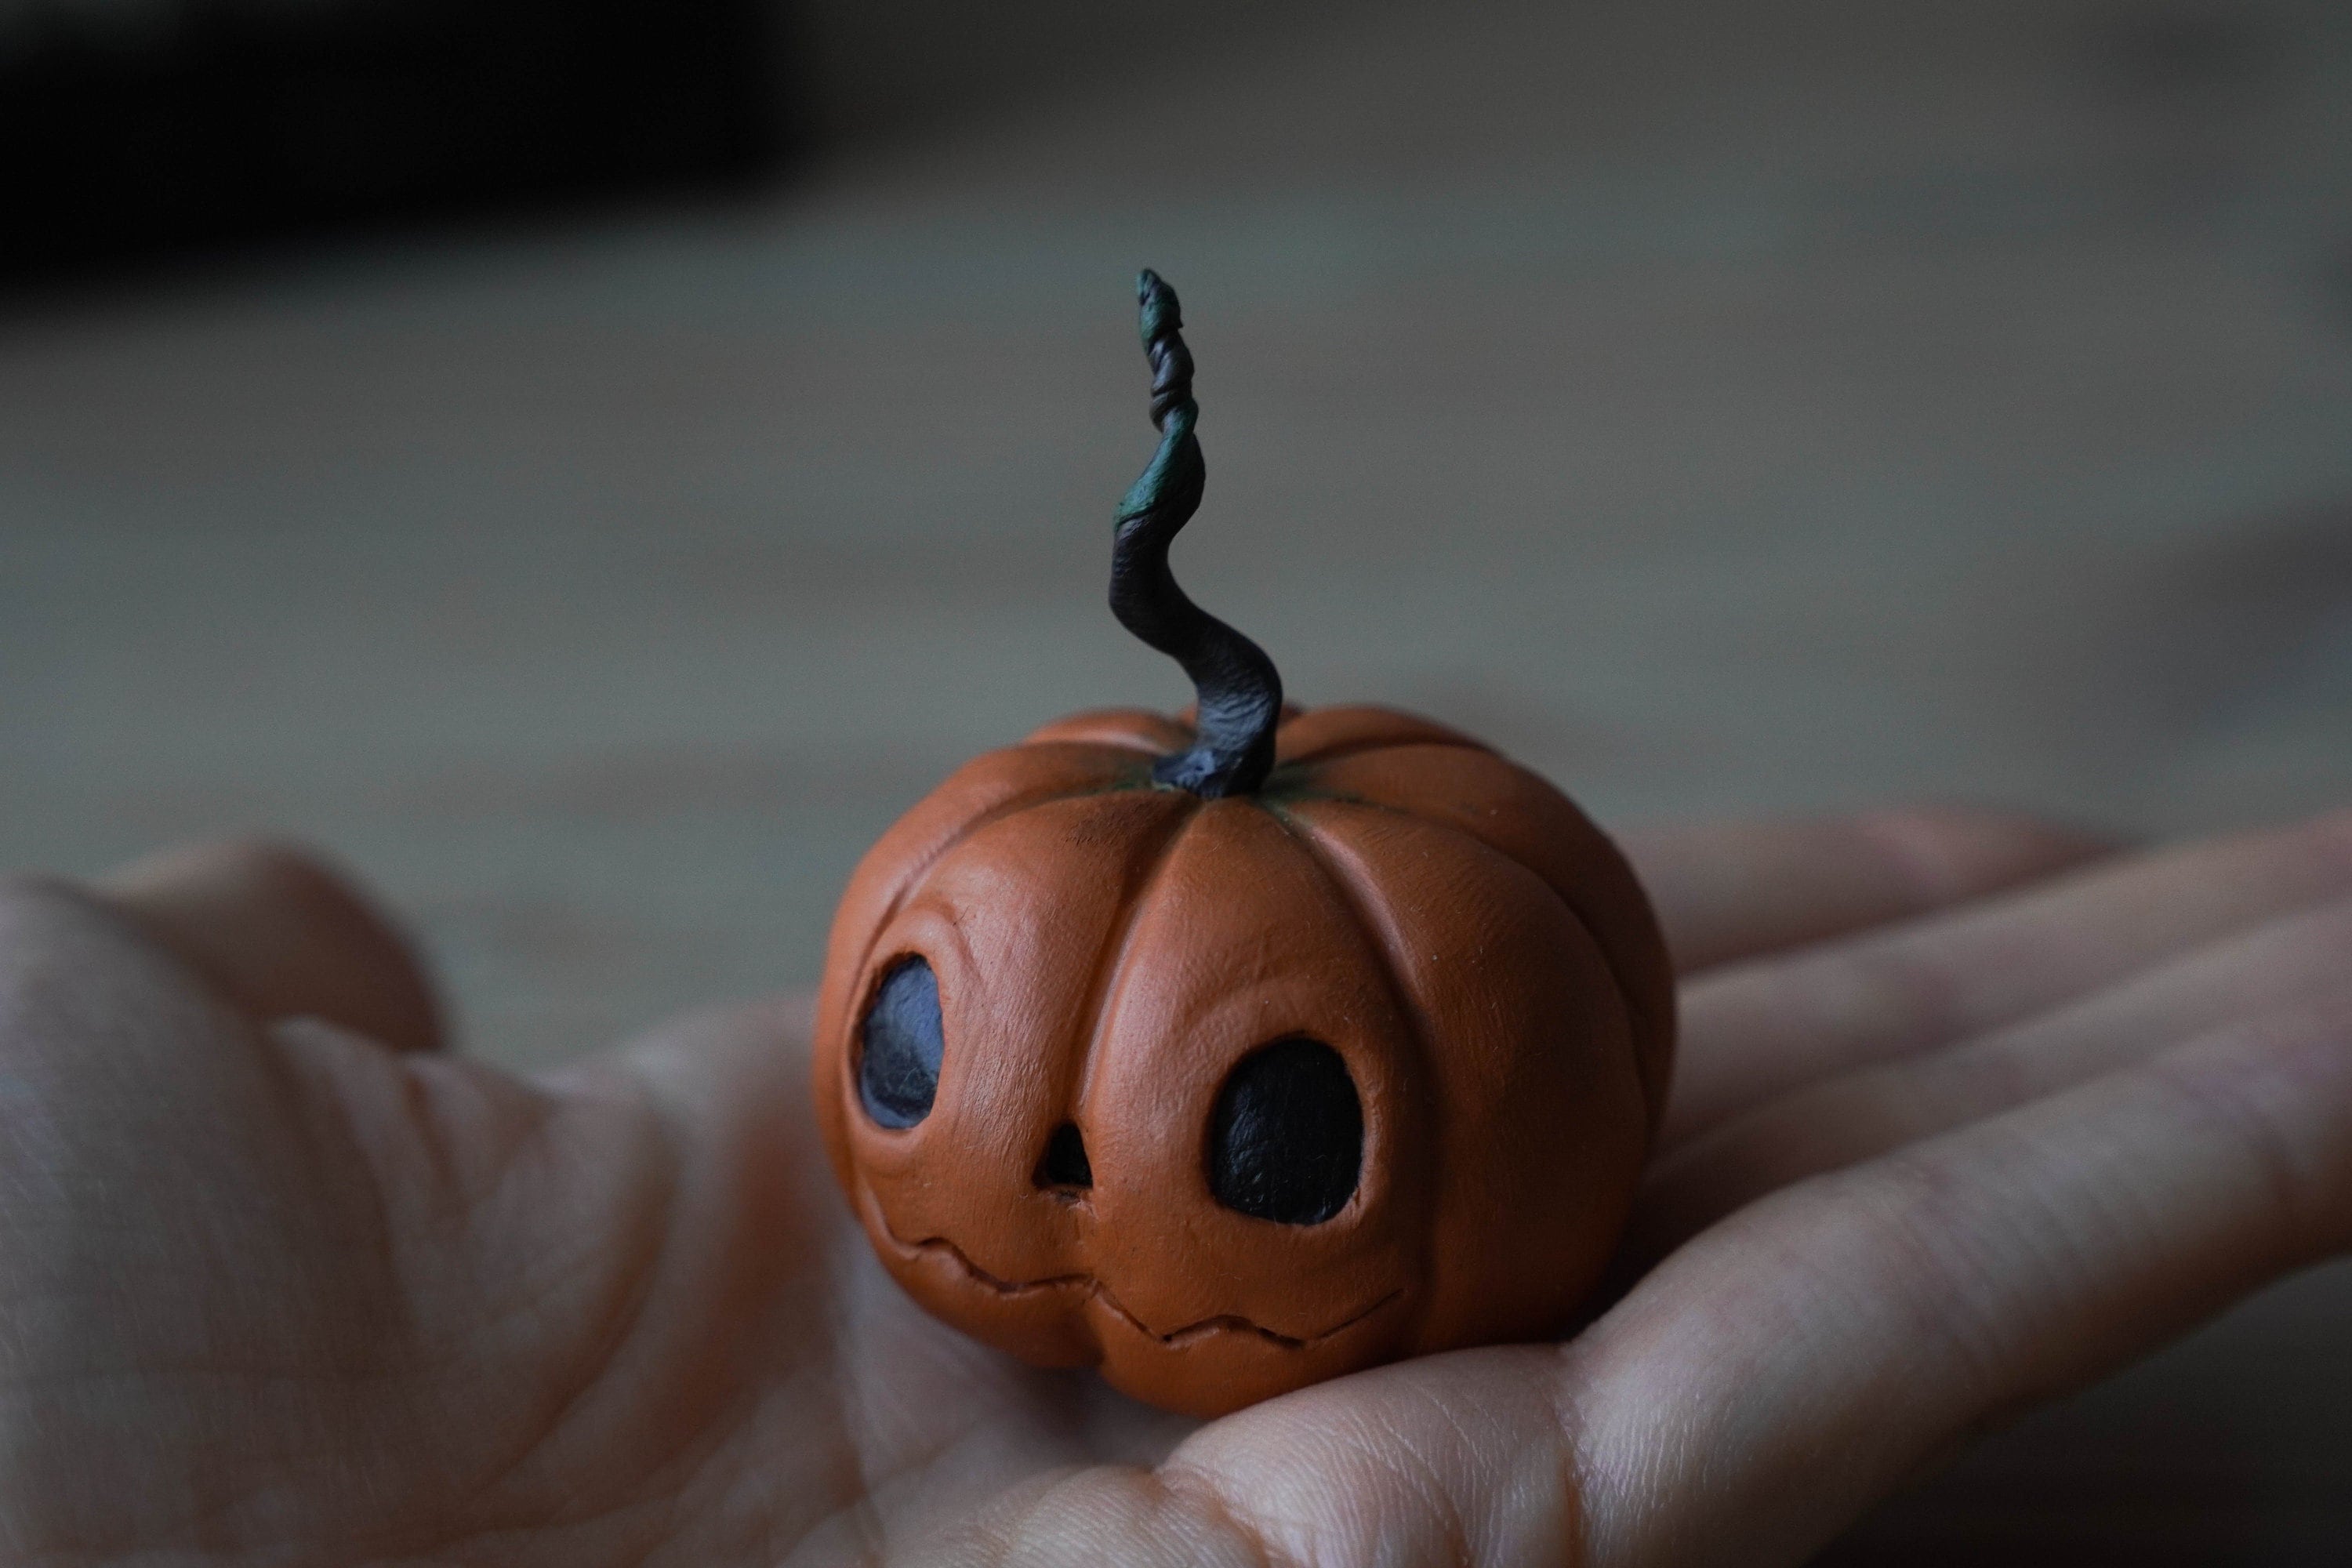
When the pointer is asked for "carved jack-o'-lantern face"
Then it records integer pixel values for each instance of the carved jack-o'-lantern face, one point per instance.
(1233, 1095)
(1233, 1056)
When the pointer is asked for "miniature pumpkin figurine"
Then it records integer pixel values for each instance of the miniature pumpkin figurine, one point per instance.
(1232, 1054)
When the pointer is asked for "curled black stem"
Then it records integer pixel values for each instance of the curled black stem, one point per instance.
(1240, 694)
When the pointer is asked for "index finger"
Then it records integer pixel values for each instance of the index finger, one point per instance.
(1730, 890)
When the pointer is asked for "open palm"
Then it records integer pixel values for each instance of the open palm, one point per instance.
(1967, 1114)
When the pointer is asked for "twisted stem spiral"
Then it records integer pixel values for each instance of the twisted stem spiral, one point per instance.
(1239, 691)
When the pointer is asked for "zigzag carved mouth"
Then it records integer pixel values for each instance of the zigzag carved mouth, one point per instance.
(1089, 1287)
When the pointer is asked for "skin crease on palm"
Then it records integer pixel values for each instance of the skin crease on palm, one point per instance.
(1970, 1112)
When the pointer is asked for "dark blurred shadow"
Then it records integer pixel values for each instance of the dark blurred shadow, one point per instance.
(2167, 52)
(2222, 1452)
(133, 131)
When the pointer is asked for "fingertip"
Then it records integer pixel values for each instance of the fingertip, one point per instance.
(282, 935)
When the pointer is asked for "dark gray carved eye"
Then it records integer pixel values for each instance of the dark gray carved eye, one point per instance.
(898, 1045)
(1286, 1138)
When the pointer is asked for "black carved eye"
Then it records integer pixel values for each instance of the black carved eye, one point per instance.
(899, 1045)
(1286, 1138)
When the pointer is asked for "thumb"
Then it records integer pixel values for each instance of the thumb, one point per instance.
(281, 936)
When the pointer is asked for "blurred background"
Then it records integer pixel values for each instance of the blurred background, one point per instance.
(591, 466)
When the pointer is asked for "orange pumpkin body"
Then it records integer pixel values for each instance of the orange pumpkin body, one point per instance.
(1104, 952)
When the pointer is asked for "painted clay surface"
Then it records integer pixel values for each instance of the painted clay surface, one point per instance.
(1107, 951)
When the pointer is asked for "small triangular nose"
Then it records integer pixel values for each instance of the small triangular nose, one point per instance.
(1065, 1164)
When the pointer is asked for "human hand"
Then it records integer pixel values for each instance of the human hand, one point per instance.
(1965, 1117)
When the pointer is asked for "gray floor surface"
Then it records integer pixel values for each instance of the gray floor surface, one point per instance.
(1724, 409)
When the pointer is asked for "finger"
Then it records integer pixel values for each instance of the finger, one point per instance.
(2299, 959)
(282, 937)
(1881, 1313)
(1774, 1379)
(1762, 1029)
(1731, 890)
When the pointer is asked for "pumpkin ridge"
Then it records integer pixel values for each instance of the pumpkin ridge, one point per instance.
(1609, 958)
(1303, 835)
(1105, 732)
(1357, 748)
(1408, 1006)
(913, 875)
(1102, 987)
